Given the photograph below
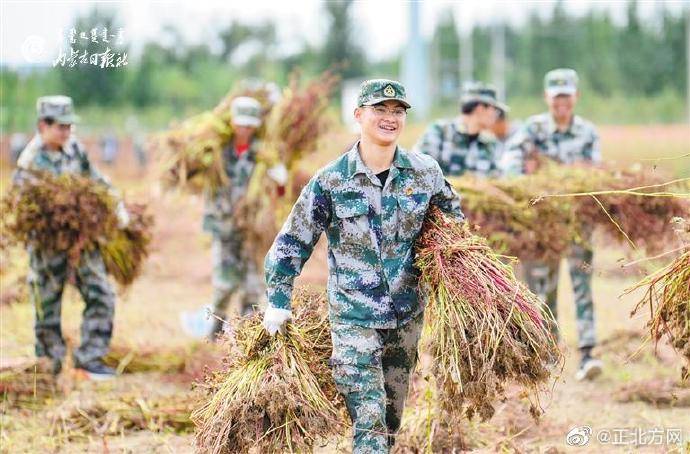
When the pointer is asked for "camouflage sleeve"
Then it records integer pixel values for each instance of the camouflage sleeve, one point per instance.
(445, 197)
(293, 246)
(431, 142)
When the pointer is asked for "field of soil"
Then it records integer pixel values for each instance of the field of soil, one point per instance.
(145, 409)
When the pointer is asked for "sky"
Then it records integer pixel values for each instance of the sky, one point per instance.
(32, 31)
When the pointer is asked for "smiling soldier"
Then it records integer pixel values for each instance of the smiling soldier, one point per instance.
(371, 203)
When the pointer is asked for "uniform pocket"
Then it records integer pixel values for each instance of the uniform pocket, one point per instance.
(412, 209)
(352, 211)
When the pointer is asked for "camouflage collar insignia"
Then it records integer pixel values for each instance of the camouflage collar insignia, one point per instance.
(355, 165)
(401, 160)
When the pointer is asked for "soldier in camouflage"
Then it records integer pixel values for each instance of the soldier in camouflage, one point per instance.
(463, 144)
(567, 138)
(234, 271)
(371, 203)
(54, 149)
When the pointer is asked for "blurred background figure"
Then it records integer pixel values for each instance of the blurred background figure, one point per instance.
(465, 143)
(109, 148)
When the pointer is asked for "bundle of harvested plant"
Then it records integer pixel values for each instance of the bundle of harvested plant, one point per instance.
(65, 213)
(126, 249)
(503, 212)
(538, 216)
(70, 214)
(78, 420)
(633, 206)
(667, 294)
(190, 153)
(275, 394)
(487, 327)
(298, 120)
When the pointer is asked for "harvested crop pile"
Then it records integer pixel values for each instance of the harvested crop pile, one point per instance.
(26, 384)
(487, 327)
(114, 416)
(70, 214)
(538, 217)
(275, 394)
(658, 392)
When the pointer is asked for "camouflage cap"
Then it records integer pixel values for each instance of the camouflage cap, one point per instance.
(246, 111)
(376, 91)
(561, 81)
(59, 108)
(481, 92)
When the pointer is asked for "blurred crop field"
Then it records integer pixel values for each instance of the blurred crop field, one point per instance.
(635, 391)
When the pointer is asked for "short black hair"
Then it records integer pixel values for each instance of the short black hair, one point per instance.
(47, 120)
(468, 107)
(501, 114)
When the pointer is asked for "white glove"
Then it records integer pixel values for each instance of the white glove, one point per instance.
(122, 215)
(275, 319)
(278, 173)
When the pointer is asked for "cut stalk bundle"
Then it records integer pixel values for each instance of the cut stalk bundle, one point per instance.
(190, 153)
(126, 249)
(538, 217)
(276, 394)
(667, 294)
(487, 329)
(70, 214)
(64, 214)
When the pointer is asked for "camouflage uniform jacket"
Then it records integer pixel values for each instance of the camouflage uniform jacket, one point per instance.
(448, 142)
(371, 232)
(218, 213)
(577, 144)
(71, 160)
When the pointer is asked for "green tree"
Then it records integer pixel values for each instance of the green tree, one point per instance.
(340, 47)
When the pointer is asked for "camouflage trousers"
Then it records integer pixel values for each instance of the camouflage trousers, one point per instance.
(233, 272)
(372, 368)
(47, 277)
(542, 279)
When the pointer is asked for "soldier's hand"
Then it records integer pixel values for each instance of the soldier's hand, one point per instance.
(279, 174)
(122, 215)
(275, 320)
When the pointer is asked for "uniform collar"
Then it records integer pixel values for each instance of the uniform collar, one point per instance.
(355, 165)
(574, 127)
